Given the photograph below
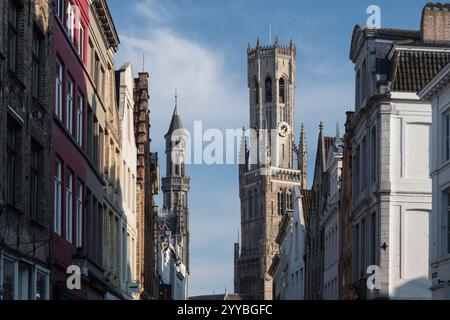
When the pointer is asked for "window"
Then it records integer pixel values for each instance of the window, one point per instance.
(59, 90)
(101, 138)
(256, 89)
(35, 65)
(71, 23)
(364, 81)
(363, 247)
(80, 119)
(357, 89)
(373, 154)
(35, 171)
(448, 225)
(358, 169)
(96, 70)
(280, 210)
(129, 122)
(57, 195)
(42, 286)
(69, 205)
(268, 89)
(69, 106)
(79, 241)
(373, 237)
(8, 279)
(60, 10)
(89, 132)
(25, 282)
(13, 19)
(12, 161)
(282, 96)
(447, 136)
(356, 253)
(102, 83)
(296, 243)
(364, 165)
(89, 221)
(95, 146)
(80, 41)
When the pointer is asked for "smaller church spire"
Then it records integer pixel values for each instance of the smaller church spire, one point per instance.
(257, 43)
(303, 158)
(276, 39)
(292, 43)
(176, 101)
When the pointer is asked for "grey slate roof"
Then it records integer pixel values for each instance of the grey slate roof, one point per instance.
(175, 124)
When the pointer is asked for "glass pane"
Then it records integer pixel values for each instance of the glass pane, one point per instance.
(12, 13)
(41, 286)
(24, 282)
(8, 280)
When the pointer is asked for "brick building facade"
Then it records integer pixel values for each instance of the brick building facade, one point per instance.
(147, 185)
(26, 73)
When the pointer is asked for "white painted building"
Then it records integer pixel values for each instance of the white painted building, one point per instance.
(391, 186)
(288, 267)
(438, 92)
(171, 269)
(330, 221)
(128, 223)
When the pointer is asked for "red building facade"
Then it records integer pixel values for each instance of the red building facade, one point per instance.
(70, 162)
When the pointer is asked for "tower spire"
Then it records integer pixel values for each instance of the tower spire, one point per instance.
(176, 101)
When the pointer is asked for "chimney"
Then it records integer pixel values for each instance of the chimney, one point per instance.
(435, 24)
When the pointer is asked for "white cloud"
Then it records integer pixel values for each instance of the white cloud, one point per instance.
(206, 89)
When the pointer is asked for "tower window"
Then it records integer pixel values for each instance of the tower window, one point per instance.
(282, 95)
(256, 91)
(268, 89)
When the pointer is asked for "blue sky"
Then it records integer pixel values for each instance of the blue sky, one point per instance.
(200, 48)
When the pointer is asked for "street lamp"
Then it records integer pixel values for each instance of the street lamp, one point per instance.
(79, 259)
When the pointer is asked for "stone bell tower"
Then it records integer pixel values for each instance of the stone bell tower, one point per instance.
(175, 184)
(266, 185)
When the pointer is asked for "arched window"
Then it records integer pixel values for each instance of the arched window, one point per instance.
(282, 91)
(268, 89)
(279, 204)
(256, 91)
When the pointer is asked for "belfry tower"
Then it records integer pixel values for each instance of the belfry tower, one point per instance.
(266, 185)
(176, 185)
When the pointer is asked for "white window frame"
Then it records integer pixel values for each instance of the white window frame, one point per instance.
(80, 40)
(69, 106)
(79, 200)
(80, 119)
(71, 22)
(58, 197)
(45, 272)
(69, 207)
(59, 90)
(34, 269)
